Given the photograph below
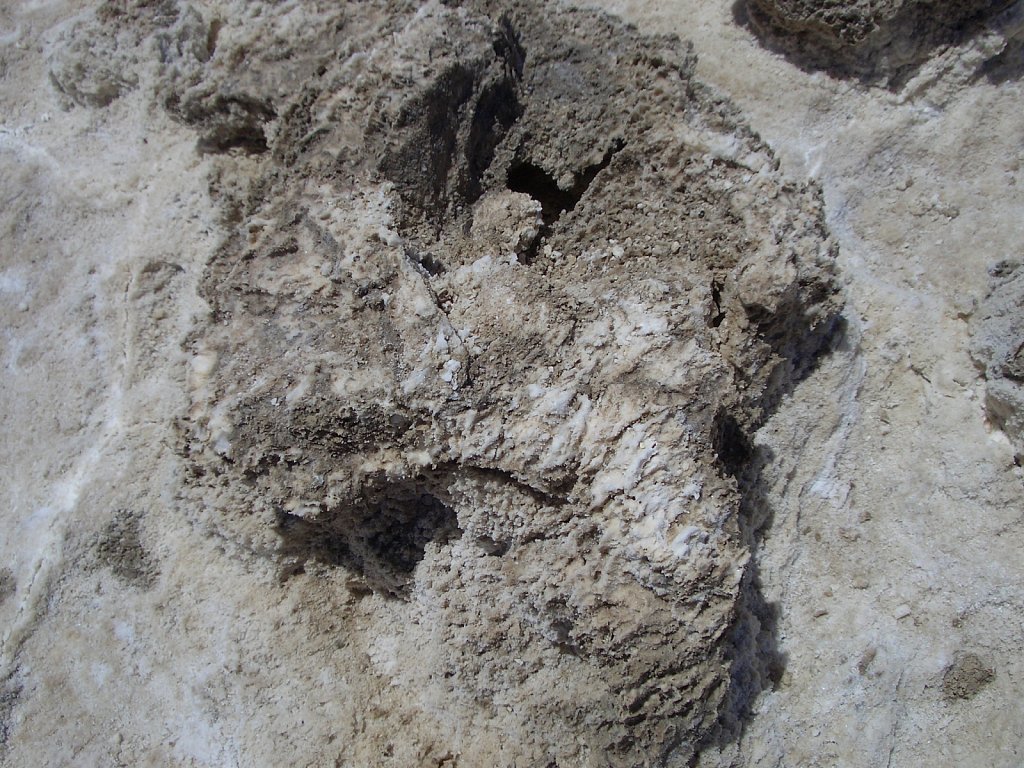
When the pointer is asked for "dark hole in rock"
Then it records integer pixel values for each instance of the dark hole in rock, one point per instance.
(534, 181)
(731, 444)
(249, 138)
(380, 538)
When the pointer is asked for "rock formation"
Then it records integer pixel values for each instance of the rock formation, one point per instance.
(881, 40)
(500, 296)
(445, 384)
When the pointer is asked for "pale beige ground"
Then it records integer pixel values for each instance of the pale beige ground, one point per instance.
(891, 496)
(896, 539)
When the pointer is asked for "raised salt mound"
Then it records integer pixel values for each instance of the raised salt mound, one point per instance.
(500, 301)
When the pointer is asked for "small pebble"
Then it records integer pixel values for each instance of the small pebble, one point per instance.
(901, 612)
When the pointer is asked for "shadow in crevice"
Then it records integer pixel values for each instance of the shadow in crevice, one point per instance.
(451, 131)
(382, 534)
(865, 45)
(800, 355)
(226, 123)
(380, 539)
(554, 201)
(732, 445)
(757, 662)
(1005, 66)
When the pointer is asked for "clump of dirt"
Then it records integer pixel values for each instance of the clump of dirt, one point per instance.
(966, 677)
(120, 549)
(503, 293)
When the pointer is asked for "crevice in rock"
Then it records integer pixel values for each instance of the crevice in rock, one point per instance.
(380, 538)
(382, 534)
(495, 112)
(420, 166)
(732, 447)
(428, 260)
(227, 122)
(452, 131)
(553, 496)
(509, 48)
(534, 181)
(716, 318)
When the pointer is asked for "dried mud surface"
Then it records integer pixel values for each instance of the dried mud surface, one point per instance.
(476, 384)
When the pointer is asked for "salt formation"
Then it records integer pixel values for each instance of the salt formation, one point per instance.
(501, 294)
(875, 39)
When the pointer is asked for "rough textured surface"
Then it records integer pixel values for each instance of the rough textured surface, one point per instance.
(998, 350)
(148, 618)
(875, 39)
(500, 302)
(500, 294)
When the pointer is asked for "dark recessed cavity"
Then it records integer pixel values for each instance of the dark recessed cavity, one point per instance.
(531, 179)
(381, 538)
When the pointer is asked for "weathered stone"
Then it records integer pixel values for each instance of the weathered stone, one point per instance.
(500, 301)
(876, 39)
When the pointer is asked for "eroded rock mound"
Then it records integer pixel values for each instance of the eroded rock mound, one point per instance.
(502, 294)
(876, 39)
